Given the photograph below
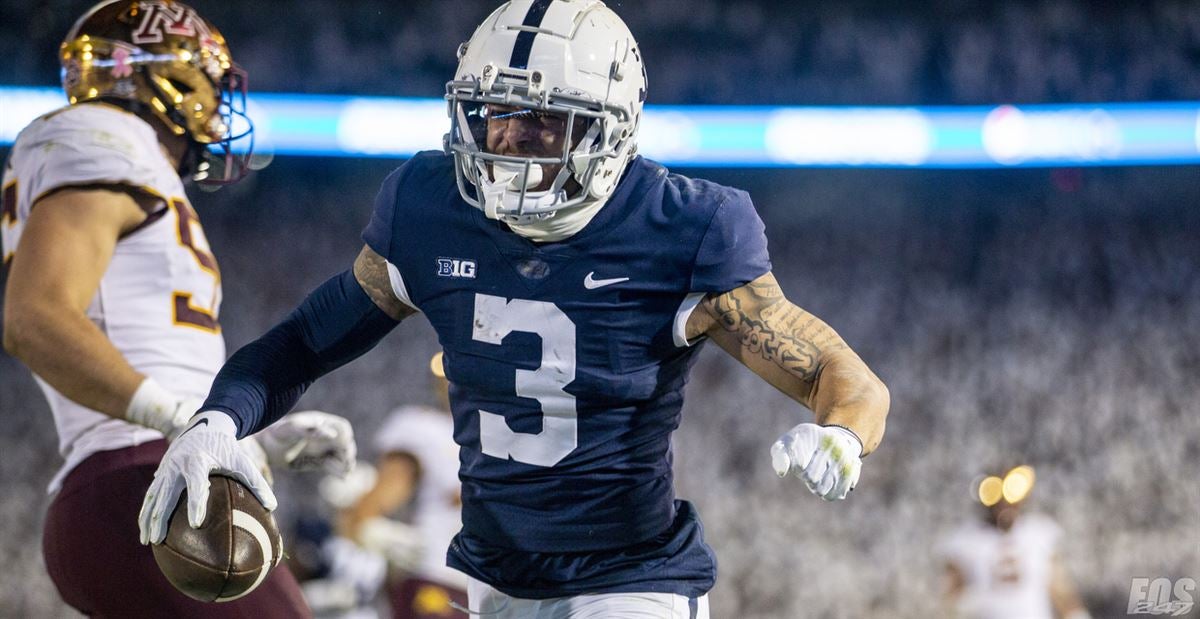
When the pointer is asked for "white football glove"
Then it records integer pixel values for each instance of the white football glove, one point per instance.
(827, 458)
(208, 445)
(251, 446)
(310, 440)
(400, 543)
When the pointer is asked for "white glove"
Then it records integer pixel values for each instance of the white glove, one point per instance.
(208, 445)
(310, 440)
(154, 407)
(400, 543)
(344, 492)
(251, 446)
(827, 458)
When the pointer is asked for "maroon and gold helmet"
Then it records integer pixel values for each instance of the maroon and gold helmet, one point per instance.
(168, 61)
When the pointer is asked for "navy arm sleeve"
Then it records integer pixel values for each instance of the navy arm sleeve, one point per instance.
(262, 381)
(733, 251)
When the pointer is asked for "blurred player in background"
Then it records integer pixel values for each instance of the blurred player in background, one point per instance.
(113, 294)
(344, 577)
(416, 474)
(569, 281)
(418, 470)
(1008, 566)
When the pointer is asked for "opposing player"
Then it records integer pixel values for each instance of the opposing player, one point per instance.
(418, 469)
(417, 473)
(1008, 565)
(570, 283)
(113, 294)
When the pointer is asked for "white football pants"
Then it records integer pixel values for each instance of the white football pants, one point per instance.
(488, 603)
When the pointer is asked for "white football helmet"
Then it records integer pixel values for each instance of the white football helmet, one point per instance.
(573, 62)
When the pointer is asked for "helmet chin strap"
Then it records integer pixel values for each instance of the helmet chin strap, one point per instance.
(561, 225)
(510, 175)
(505, 191)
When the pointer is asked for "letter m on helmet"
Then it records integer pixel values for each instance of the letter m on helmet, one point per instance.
(160, 19)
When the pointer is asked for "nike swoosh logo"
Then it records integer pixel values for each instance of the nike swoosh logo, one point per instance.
(202, 422)
(592, 284)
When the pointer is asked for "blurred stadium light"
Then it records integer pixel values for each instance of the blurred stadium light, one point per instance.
(758, 136)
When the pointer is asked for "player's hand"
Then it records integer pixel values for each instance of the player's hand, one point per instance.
(208, 445)
(827, 458)
(184, 410)
(310, 440)
(155, 407)
(400, 543)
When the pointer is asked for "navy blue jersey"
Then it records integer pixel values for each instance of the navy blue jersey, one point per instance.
(567, 364)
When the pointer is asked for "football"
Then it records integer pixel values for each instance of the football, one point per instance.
(227, 557)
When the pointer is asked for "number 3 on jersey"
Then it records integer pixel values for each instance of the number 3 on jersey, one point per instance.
(495, 318)
(191, 236)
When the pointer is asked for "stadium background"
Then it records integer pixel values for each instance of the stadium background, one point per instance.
(1042, 315)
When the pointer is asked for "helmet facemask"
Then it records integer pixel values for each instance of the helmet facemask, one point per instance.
(230, 158)
(574, 63)
(526, 187)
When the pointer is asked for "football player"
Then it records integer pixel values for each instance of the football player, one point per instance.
(113, 294)
(1008, 565)
(417, 472)
(570, 283)
(418, 468)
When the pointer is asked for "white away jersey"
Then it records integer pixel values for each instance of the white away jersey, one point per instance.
(429, 436)
(158, 300)
(1006, 574)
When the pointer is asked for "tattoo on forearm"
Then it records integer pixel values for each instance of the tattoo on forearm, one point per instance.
(768, 325)
(371, 272)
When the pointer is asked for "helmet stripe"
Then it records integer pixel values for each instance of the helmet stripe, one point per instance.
(524, 44)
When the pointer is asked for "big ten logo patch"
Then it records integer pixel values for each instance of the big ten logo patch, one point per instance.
(456, 267)
(1161, 596)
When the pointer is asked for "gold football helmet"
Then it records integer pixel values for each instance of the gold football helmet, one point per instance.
(162, 58)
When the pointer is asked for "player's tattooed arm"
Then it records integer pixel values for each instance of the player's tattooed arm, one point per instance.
(370, 269)
(796, 352)
(771, 329)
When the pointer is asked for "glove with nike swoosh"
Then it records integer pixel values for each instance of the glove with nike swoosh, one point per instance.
(208, 445)
(827, 458)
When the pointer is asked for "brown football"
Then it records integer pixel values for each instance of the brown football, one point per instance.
(230, 554)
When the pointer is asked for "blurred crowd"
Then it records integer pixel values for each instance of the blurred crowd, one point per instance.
(713, 51)
(1043, 316)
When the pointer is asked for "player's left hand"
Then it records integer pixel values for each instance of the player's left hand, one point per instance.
(402, 544)
(827, 458)
(310, 440)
